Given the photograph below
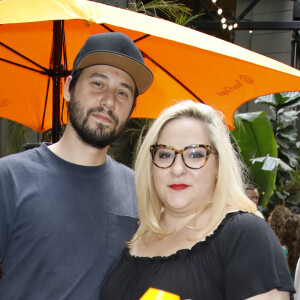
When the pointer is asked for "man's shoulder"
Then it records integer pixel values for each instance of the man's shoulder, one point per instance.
(120, 167)
(18, 159)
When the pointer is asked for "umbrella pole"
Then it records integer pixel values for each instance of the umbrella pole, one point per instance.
(57, 41)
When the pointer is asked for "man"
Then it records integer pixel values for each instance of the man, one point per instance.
(252, 193)
(66, 210)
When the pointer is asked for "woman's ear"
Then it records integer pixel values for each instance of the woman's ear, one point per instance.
(67, 94)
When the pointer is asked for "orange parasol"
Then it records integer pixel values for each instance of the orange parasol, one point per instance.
(39, 41)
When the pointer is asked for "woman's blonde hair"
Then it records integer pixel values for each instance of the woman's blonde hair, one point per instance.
(229, 189)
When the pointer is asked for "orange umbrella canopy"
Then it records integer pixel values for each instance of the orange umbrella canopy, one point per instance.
(186, 64)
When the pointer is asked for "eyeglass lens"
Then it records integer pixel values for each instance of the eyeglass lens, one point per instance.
(193, 157)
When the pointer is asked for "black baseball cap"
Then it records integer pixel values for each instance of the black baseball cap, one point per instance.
(118, 50)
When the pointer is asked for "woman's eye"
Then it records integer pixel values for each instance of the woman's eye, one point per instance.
(196, 154)
(165, 155)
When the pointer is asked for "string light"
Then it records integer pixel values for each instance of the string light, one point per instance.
(230, 24)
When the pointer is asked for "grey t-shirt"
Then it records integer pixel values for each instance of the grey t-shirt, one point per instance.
(62, 226)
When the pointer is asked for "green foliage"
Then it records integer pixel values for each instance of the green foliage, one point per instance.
(124, 149)
(256, 132)
(172, 9)
(283, 117)
(269, 147)
(293, 189)
(15, 137)
(255, 145)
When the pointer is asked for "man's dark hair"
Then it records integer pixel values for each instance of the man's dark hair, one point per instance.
(75, 78)
(251, 187)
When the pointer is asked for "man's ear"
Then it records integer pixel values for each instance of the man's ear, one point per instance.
(67, 94)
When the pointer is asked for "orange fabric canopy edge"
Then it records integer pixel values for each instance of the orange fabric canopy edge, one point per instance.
(186, 64)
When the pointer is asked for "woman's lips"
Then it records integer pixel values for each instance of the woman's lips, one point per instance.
(178, 187)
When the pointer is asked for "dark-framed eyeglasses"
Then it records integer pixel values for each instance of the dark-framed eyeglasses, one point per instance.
(194, 156)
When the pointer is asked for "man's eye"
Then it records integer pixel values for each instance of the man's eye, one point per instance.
(97, 83)
(123, 94)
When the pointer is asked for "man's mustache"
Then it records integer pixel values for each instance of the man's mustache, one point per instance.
(101, 109)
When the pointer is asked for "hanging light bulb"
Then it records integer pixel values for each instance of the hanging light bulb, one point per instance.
(224, 26)
(223, 20)
(250, 31)
(230, 27)
(213, 1)
(235, 25)
(220, 10)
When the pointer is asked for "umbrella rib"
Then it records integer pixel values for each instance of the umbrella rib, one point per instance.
(22, 66)
(141, 38)
(106, 27)
(66, 68)
(171, 75)
(137, 40)
(23, 56)
(45, 107)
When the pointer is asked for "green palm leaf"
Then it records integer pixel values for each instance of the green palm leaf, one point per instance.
(255, 138)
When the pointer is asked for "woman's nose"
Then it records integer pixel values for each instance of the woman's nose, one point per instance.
(178, 168)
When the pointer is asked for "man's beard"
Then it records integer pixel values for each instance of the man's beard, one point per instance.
(99, 137)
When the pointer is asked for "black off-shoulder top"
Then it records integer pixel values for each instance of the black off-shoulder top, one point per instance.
(240, 259)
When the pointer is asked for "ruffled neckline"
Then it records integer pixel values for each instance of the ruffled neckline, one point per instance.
(185, 252)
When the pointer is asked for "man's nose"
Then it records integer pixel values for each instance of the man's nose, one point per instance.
(108, 99)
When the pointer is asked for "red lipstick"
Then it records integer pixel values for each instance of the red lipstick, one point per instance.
(178, 187)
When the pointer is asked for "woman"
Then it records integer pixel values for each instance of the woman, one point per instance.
(252, 193)
(291, 239)
(199, 236)
(277, 220)
(297, 281)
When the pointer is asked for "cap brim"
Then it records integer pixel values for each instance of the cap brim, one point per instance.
(140, 74)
